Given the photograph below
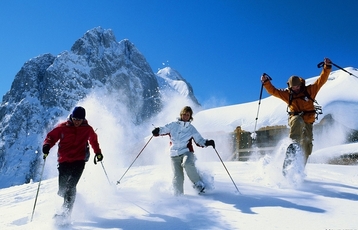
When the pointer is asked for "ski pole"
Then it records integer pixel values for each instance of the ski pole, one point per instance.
(119, 181)
(258, 109)
(38, 188)
(322, 63)
(95, 162)
(227, 171)
(105, 173)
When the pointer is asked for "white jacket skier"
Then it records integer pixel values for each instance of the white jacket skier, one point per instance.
(182, 133)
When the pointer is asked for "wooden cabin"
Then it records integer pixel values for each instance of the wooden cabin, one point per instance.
(267, 138)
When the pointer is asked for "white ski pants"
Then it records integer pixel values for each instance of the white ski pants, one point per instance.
(179, 163)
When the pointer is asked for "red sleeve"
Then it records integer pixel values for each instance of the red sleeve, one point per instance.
(53, 136)
(93, 139)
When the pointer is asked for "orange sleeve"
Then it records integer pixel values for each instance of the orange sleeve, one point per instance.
(283, 94)
(317, 85)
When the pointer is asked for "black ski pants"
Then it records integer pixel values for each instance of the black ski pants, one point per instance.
(69, 175)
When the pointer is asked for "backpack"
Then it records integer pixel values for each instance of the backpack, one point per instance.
(318, 108)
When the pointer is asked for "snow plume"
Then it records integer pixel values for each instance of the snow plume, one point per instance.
(333, 133)
(269, 169)
(121, 140)
(132, 142)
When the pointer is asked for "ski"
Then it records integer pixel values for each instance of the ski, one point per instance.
(293, 160)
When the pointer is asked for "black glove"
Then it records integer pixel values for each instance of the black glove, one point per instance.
(155, 132)
(46, 149)
(210, 142)
(98, 157)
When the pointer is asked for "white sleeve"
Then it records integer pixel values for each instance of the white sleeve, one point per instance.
(165, 129)
(199, 140)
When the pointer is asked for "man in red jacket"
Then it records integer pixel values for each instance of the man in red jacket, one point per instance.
(73, 152)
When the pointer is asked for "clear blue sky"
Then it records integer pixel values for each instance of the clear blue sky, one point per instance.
(220, 46)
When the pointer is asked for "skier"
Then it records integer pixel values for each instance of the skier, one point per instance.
(181, 133)
(300, 101)
(73, 152)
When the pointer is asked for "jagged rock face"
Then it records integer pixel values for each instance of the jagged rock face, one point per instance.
(21, 121)
(98, 61)
(50, 86)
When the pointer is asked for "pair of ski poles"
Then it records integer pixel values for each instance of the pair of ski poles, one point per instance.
(119, 181)
(319, 65)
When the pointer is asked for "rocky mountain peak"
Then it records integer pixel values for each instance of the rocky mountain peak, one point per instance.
(47, 88)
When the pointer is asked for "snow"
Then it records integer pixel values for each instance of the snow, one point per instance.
(325, 198)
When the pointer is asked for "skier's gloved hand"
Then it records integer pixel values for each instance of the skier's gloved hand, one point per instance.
(264, 78)
(328, 62)
(46, 149)
(210, 142)
(98, 157)
(155, 132)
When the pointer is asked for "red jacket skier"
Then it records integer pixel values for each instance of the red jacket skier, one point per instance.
(73, 152)
(74, 137)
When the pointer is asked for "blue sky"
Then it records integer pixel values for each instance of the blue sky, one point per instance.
(221, 47)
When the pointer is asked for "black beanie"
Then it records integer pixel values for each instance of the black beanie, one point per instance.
(79, 112)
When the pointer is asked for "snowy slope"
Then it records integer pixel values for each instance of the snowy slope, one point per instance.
(325, 200)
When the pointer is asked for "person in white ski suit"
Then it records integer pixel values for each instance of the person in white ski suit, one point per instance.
(182, 133)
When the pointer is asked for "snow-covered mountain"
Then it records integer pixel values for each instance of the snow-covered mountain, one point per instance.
(47, 87)
(171, 82)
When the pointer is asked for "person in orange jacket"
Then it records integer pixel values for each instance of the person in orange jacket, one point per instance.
(73, 152)
(301, 110)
